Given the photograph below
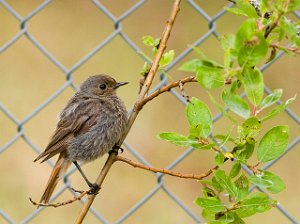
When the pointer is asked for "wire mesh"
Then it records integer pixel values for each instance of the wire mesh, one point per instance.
(117, 22)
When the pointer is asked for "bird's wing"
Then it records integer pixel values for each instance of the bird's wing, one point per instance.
(79, 120)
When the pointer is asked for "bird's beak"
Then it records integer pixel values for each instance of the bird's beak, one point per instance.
(120, 84)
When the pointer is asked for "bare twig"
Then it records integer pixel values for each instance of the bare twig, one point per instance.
(165, 89)
(184, 95)
(58, 204)
(295, 50)
(168, 172)
(112, 157)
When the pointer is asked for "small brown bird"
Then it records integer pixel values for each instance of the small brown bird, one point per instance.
(93, 121)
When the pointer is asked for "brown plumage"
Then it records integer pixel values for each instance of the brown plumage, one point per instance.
(90, 125)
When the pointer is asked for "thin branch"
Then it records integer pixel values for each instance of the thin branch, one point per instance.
(58, 204)
(165, 89)
(254, 168)
(295, 50)
(113, 155)
(168, 172)
(273, 25)
(184, 95)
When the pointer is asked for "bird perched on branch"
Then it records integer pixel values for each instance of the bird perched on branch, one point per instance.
(90, 125)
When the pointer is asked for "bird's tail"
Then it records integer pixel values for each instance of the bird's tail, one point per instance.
(58, 172)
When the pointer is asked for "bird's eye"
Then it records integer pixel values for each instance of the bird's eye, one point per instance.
(102, 86)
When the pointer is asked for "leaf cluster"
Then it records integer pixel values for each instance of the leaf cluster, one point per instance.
(166, 58)
(260, 35)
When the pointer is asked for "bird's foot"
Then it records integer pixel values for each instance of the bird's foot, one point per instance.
(117, 148)
(94, 188)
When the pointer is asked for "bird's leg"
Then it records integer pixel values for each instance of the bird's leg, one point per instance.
(94, 188)
(117, 148)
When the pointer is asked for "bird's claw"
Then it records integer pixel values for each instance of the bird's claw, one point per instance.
(94, 188)
(118, 147)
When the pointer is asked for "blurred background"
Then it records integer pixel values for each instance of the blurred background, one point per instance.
(47, 48)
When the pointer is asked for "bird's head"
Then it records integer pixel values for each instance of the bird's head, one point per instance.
(101, 85)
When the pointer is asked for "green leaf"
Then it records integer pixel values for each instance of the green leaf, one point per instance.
(221, 217)
(277, 184)
(181, 140)
(208, 192)
(254, 85)
(228, 218)
(148, 40)
(255, 203)
(195, 131)
(211, 204)
(264, 6)
(216, 184)
(197, 145)
(211, 63)
(213, 183)
(191, 66)
(246, 8)
(290, 30)
(246, 152)
(236, 168)
(237, 219)
(278, 109)
(219, 158)
(253, 50)
(250, 44)
(226, 183)
(217, 222)
(250, 128)
(208, 215)
(210, 77)
(259, 181)
(235, 85)
(175, 138)
(236, 104)
(167, 58)
(225, 139)
(221, 108)
(154, 51)
(236, 11)
(269, 181)
(271, 99)
(227, 42)
(244, 33)
(198, 113)
(145, 69)
(242, 184)
(273, 144)
(156, 42)
(293, 5)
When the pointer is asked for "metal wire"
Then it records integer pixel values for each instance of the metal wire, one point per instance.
(118, 32)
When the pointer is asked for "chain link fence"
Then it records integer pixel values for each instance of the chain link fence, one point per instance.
(118, 31)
